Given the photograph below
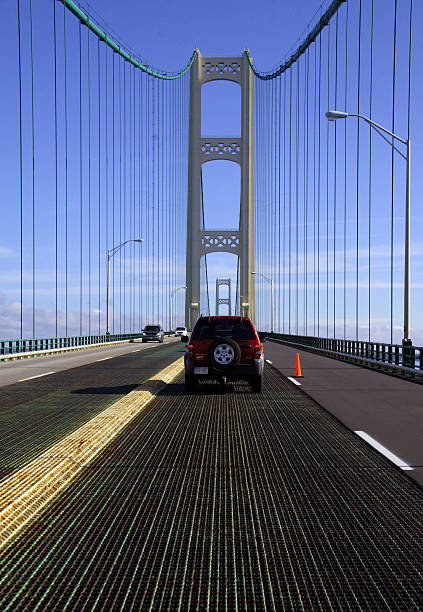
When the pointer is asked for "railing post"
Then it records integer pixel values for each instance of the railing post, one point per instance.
(408, 354)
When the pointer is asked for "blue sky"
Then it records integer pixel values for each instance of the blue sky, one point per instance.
(163, 34)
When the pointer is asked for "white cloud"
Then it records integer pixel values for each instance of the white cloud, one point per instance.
(6, 252)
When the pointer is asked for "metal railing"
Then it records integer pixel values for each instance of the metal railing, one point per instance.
(405, 356)
(26, 345)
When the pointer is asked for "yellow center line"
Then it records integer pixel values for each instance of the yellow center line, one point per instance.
(25, 492)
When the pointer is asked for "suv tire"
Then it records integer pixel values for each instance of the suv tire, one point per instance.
(224, 354)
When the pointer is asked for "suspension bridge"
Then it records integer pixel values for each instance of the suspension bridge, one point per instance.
(118, 489)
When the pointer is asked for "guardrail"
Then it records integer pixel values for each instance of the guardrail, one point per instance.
(408, 357)
(26, 345)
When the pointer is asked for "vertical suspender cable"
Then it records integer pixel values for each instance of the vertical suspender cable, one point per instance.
(318, 185)
(99, 180)
(314, 189)
(370, 172)
(268, 119)
(345, 170)
(358, 174)
(21, 166)
(275, 155)
(279, 199)
(153, 200)
(159, 195)
(285, 78)
(327, 180)
(147, 204)
(168, 197)
(80, 181)
(297, 200)
(335, 178)
(125, 186)
(409, 69)
(144, 200)
(33, 170)
(392, 174)
(306, 190)
(269, 198)
(290, 200)
(140, 232)
(128, 215)
(120, 192)
(131, 245)
(409, 80)
(172, 188)
(89, 181)
(106, 134)
(66, 166)
(55, 169)
(136, 233)
(113, 188)
(134, 214)
(165, 184)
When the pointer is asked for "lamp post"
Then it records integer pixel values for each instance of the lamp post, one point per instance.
(269, 280)
(171, 303)
(110, 253)
(333, 116)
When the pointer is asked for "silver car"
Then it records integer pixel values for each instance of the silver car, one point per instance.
(152, 333)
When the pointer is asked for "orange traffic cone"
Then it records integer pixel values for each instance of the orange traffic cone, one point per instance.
(297, 367)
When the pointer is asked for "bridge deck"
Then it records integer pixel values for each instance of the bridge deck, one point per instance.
(38, 412)
(388, 408)
(225, 500)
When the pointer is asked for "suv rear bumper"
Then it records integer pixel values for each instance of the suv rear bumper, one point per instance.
(240, 372)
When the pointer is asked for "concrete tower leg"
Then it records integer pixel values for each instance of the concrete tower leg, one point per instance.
(246, 264)
(239, 241)
(192, 296)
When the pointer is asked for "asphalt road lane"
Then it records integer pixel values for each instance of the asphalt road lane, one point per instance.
(14, 371)
(387, 408)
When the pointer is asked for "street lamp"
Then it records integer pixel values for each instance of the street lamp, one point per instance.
(110, 253)
(170, 304)
(333, 116)
(269, 280)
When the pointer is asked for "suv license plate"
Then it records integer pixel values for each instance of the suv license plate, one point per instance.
(201, 370)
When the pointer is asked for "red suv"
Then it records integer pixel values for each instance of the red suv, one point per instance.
(224, 348)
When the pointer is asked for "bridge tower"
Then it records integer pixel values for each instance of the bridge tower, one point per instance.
(224, 301)
(239, 150)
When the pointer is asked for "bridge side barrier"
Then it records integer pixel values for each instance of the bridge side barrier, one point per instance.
(35, 345)
(394, 358)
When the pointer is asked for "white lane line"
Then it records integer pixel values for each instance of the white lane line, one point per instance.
(37, 376)
(268, 361)
(294, 381)
(399, 462)
(104, 358)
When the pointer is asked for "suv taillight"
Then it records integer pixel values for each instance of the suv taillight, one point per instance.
(258, 349)
(190, 351)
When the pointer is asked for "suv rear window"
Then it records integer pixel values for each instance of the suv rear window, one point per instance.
(152, 328)
(209, 329)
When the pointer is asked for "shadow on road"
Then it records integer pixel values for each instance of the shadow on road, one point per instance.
(122, 390)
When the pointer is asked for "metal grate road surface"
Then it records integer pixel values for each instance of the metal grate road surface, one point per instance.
(226, 501)
(35, 414)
